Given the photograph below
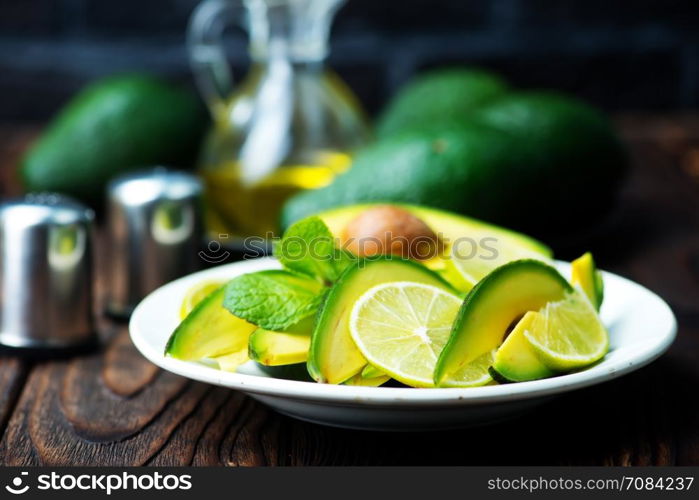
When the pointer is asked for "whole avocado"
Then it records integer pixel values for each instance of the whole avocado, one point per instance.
(113, 125)
(438, 95)
(533, 161)
(571, 161)
(441, 167)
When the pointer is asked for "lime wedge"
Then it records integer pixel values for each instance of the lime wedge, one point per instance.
(469, 261)
(401, 328)
(568, 334)
(196, 294)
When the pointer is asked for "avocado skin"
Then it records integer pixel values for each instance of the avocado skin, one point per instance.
(111, 126)
(530, 161)
(439, 94)
(441, 168)
(499, 378)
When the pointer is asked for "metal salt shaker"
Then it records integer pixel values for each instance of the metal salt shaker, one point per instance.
(155, 230)
(46, 273)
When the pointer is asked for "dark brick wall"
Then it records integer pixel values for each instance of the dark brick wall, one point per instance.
(619, 54)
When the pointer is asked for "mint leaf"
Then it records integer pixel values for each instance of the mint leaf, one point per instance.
(308, 247)
(274, 299)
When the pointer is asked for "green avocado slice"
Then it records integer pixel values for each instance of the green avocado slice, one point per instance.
(584, 274)
(516, 359)
(272, 348)
(499, 299)
(370, 371)
(209, 330)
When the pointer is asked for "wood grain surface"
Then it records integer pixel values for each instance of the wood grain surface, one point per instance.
(114, 408)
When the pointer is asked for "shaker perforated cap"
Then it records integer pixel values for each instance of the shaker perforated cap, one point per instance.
(45, 272)
(154, 229)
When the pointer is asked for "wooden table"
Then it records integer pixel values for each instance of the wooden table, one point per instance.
(115, 408)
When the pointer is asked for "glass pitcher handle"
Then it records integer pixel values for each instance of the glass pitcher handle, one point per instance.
(207, 57)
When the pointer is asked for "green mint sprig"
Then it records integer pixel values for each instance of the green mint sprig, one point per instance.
(273, 299)
(279, 299)
(308, 248)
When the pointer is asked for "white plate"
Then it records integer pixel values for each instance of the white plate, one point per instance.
(640, 324)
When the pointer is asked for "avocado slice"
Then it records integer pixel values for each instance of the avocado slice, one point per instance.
(333, 358)
(491, 306)
(209, 330)
(360, 380)
(448, 225)
(370, 376)
(451, 229)
(588, 278)
(289, 372)
(271, 348)
(370, 371)
(231, 361)
(516, 360)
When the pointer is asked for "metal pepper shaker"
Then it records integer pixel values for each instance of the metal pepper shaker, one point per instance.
(46, 272)
(154, 220)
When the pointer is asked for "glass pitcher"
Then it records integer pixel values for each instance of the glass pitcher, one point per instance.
(290, 124)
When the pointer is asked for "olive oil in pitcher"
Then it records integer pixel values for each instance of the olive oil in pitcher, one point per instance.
(291, 124)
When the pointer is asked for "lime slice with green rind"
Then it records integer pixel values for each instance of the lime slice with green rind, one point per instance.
(401, 328)
(568, 334)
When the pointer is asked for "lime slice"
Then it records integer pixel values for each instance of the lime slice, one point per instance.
(196, 294)
(470, 261)
(568, 334)
(401, 328)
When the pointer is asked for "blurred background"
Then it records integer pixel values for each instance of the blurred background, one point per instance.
(616, 54)
(622, 183)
